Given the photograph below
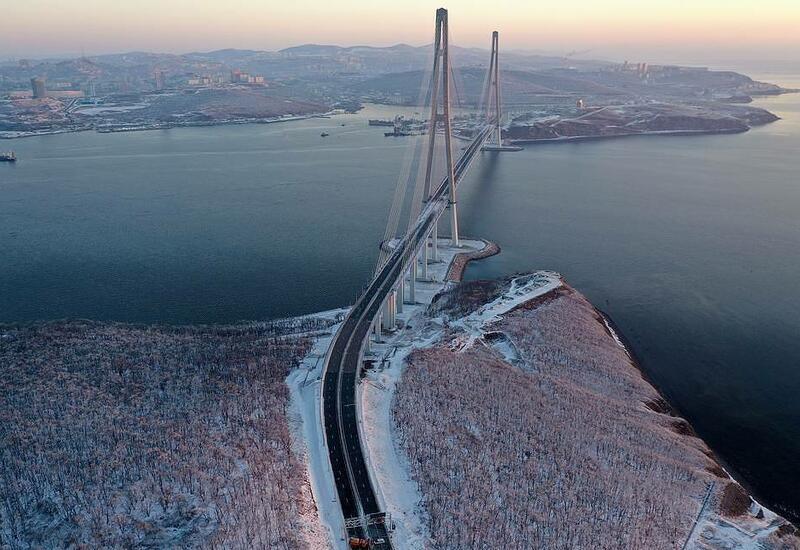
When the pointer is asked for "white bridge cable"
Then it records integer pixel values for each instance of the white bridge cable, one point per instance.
(398, 200)
(414, 155)
(439, 168)
(487, 92)
(456, 85)
(483, 102)
(458, 91)
(418, 198)
(468, 98)
(410, 156)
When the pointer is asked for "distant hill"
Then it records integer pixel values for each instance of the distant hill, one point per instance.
(403, 57)
(321, 73)
(518, 86)
(304, 61)
(312, 49)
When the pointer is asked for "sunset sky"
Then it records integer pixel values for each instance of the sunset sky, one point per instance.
(663, 29)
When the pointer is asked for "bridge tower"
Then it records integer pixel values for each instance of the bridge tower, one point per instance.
(494, 88)
(493, 106)
(440, 85)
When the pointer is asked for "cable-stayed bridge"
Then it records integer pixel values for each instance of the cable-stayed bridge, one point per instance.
(393, 284)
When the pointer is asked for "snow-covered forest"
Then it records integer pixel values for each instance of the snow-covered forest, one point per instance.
(121, 436)
(561, 444)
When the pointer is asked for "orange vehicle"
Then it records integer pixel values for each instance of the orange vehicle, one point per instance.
(356, 542)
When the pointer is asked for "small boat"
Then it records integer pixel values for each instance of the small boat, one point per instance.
(8, 157)
(324, 134)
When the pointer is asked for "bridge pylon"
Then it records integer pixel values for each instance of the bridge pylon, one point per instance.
(440, 85)
(493, 107)
(494, 78)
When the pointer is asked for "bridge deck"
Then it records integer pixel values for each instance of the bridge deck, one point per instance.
(342, 369)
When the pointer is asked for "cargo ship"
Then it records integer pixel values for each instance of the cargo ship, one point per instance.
(404, 127)
(379, 122)
(8, 157)
(399, 132)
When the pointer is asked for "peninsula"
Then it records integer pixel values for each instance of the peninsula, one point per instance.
(498, 413)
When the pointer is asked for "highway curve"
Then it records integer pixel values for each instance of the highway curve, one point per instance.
(342, 369)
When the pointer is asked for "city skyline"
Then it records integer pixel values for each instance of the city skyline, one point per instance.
(705, 31)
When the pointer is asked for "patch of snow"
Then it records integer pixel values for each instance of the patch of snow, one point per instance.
(502, 344)
(522, 289)
(305, 422)
(713, 531)
(614, 334)
(396, 490)
(398, 493)
(103, 109)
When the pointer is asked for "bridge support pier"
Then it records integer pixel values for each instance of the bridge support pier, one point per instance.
(401, 294)
(424, 262)
(388, 317)
(454, 242)
(435, 241)
(412, 282)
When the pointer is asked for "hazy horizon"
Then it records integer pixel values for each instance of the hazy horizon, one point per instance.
(703, 32)
(745, 62)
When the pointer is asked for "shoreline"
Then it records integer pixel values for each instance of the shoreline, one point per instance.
(122, 128)
(672, 410)
(453, 330)
(661, 133)
(162, 126)
(455, 275)
(521, 142)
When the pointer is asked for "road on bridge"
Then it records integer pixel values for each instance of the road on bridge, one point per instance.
(360, 507)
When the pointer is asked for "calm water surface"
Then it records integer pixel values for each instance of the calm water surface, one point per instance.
(691, 244)
(203, 225)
